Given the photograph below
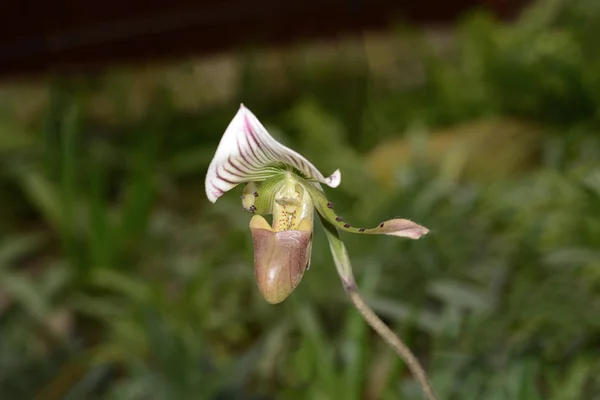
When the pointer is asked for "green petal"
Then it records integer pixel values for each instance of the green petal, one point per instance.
(394, 227)
(269, 196)
(258, 198)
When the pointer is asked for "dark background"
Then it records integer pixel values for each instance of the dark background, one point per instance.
(64, 35)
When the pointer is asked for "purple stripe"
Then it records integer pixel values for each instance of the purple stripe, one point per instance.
(235, 175)
(293, 161)
(231, 172)
(216, 187)
(247, 163)
(235, 166)
(225, 180)
(252, 147)
(305, 168)
(259, 147)
(268, 148)
(259, 150)
(251, 165)
(248, 129)
(274, 152)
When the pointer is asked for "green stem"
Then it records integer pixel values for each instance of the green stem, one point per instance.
(344, 268)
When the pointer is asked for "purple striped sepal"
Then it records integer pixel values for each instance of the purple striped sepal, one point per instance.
(248, 153)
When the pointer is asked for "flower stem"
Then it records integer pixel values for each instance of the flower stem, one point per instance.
(344, 268)
(393, 340)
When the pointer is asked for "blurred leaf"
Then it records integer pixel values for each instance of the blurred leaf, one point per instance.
(26, 293)
(19, 246)
(461, 295)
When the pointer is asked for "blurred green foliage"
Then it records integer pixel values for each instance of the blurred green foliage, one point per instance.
(118, 280)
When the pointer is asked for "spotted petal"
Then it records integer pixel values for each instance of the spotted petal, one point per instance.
(394, 227)
(248, 153)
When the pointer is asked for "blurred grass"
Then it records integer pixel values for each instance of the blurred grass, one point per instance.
(118, 280)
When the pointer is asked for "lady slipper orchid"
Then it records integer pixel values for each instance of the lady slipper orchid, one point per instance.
(282, 183)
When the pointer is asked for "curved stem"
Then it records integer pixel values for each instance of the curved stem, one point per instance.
(393, 340)
(344, 268)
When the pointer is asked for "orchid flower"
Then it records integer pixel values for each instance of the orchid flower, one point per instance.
(282, 183)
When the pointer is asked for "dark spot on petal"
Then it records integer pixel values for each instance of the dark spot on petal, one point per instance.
(255, 194)
(361, 230)
(346, 225)
(330, 205)
(252, 208)
(381, 225)
(339, 219)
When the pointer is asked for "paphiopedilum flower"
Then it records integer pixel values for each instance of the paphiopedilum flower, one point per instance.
(282, 183)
